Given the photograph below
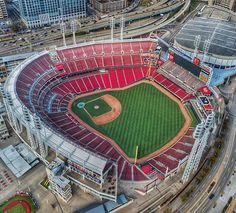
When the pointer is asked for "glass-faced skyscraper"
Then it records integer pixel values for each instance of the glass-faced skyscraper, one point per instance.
(37, 13)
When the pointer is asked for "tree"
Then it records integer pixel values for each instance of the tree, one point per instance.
(167, 210)
(14, 28)
(184, 198)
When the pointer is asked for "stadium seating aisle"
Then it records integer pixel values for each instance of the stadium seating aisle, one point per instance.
(169, 160)
(181, 75)
(127, 172)
(173, 88)
(175, 154)
(114, 80)
(129, 76)
(160, 167)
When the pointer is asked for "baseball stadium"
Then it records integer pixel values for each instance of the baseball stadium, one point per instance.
(107, 103)
(20, 203)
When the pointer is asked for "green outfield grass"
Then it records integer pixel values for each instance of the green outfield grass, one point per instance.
(148, 119)
(194, 119)
(18, 208)
(90, 107)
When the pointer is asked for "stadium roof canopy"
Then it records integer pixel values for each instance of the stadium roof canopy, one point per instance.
(222, 36)
(17, 57)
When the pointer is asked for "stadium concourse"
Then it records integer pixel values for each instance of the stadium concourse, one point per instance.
(46, 83)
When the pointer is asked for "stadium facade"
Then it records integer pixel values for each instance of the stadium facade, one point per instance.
(37, 93)
(37, 13)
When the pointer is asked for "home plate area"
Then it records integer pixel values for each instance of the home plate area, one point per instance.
(103, 110)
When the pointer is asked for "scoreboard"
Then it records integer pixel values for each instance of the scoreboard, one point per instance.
(202, 72)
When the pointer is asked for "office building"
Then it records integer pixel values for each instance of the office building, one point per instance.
(106, 6)
(3, 9)
(59, 184)
(228, 4)
(37, 13)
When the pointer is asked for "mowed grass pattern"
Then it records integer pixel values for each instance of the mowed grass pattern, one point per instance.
(18, 208)
(103, 107)
(148, 119)
(194, 119)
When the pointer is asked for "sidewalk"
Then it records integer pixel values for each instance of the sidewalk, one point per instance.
(232, 206)
(229, 191)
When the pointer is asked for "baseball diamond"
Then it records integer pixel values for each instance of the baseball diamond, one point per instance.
(139, 124)
(97, 107)
(19, 203)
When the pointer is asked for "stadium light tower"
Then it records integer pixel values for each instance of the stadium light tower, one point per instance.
(63, 31)
(74, 28)
(197, 42)
(206, 47)
(122, 25)
(112, 21)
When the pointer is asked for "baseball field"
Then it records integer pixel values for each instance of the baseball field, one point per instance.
(18, 204)
(147, 117)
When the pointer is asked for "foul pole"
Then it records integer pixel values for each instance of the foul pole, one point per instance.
(136, 155)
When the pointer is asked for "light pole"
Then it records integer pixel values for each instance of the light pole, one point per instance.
(197, 42)
(63, 31)
(112, 20)
(122, 25)
(74, 28)
(206, 48)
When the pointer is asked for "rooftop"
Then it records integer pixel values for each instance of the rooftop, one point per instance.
(56, 166)
(14, 161)
(215, 25)
(17, 57)
(61, 181)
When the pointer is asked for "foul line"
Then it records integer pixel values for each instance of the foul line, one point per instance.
(93, 100)
(88, 113)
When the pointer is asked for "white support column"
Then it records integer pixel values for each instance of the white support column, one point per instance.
(209, 123)
(201, 134)
(42, 147)
(210, 77)
(167, 170)
(190, 162)
(5, 101)
(15, 123)
(201, 148)
(27, 119)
